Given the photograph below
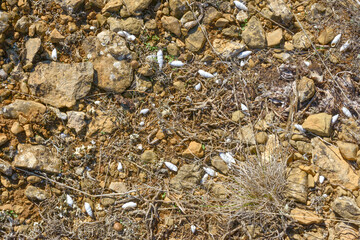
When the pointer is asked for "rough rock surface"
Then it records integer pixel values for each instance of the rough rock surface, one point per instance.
(305, 217)
(36, 194)
(37, 157)
(319, 124)
(188, 177)
(347, 208)
(228, 48)
(297, 185)
(332, 166)
(112, 75)
(194, 150)
(254, 34)
(196, 40)
(22, 107)
(60, 84)
(76, 120)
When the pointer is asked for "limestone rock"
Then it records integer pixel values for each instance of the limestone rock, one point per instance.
(227, 48)
(246, 135)
(107, 42)
(254, 34)
(301, 40)
(32, 46)
(274, 38)
(5, 168)
(219, 191)
(237, 116)
(3, 139)
(220, 165)
(76, 120)
(346, 207)
(16, 128)
(130, 25)
(36, 194)
(306, 89)
(149, 156)
(348, 150)
(232, 31)
(281, 13)
(71, 6)
(326, 35)
(102, 123)
(112, 6)
(211, 15)
(22, 25)
(171, 24)
(350, 131)
(297, 185)
(221, 22)
(37, 157)
(319, 124)
(187, 178)
(56, 36)
(305, 217)
(261, 137)
(22, 107)
(106, 202)
(178, 8)
(194, 150)
(118, 187)
(112, 75)
(345, 231)
(196, 40)
(61, 84)
(332, 166)
(4, 21)
(135, 7)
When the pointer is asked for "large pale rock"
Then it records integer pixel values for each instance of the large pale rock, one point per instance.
(303, 40)
(118, 187)
(254, 34)
(274, 38)
(333, 166)
(102, 123)
(347, 208)
(135, 7)
(211, 15)
(227, 48)
(22, 107)
(187, 178)
(36, 194)
(280, 12)
(130, 25)
(305, 217)
(112, 6)
(4, 21)
(348, 150)
(196, 40)
(306, 89)
(171, 24)
(326, 35)
(32, 46)
(76, 120)
(297, 185)
(61, 84)
(5, 168)
(246, 135)
(319, 124)
(112, 75)
(106, 42)
(37, 157)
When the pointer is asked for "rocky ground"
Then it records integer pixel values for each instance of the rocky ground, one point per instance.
(179, 119)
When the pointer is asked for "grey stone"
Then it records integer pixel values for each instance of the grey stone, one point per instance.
(227, 48)
(281, 13)
(5, 168)
(130, 25)
(302, 40)
(178, 8)
(37, 157)
(4, 21)
(118, 187)
(347, 208)
(171, 24)
(22, 25)
(61, 84)
(76, 120)
(220, 165)
(149, 156)
(135, 7)
(36, 194)
(25, 108)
